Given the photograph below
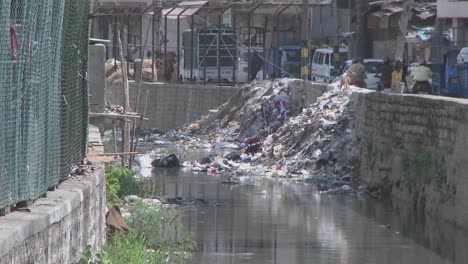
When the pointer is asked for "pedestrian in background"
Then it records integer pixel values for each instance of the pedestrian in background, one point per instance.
(397, 77)
(255, 65)
(259, 75)
(421, 75)
(385, 71)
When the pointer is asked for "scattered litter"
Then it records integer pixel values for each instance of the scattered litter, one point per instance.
(170, 161)
(268, 129)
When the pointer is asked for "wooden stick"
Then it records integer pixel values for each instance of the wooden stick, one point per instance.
(115, 136)
(117, 154)
(115, 115)
(134, 125)
(124, 76)
(142, 118)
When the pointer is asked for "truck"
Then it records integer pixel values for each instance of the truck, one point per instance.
(213, 49)
(289, 63)
(216, 55)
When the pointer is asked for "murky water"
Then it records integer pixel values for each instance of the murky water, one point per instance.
(275, 221)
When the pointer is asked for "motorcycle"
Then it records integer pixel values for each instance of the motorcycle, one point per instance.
(422, 87)
(360, 84)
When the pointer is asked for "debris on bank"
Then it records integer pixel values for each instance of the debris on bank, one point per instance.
(267, 129)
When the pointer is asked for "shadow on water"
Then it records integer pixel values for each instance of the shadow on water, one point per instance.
(276, 221)
(441, 237)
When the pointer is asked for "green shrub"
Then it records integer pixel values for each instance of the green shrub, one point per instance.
(422, 167)
(154, 237)
(127, 248)
(121, 182)
(159, 228)
(156, 234)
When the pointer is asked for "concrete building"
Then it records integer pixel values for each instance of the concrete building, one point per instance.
(455, 12)
(134, 18)
(383, 26)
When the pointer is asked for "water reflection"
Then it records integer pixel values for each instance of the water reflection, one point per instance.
(264, 221)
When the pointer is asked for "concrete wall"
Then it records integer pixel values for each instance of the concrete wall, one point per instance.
(59, 227)
(325, 27)
(450, 9)
(171, 105)
(414, 147)
(97, 77)
(305, 93)
(384, 49)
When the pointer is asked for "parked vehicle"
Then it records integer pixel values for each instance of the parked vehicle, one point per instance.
(462, 56)
(288, 64)
(422, 87)
(450, 74)
(233, 62)
(322, 68)
(290, 61)
(371, 66)
(206, 62)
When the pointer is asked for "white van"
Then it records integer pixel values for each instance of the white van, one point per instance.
(322, 68)
(463, 56)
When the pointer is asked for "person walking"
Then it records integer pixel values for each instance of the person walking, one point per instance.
(398, 85)
(385, 71)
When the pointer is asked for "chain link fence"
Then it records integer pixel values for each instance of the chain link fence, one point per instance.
(43, 94)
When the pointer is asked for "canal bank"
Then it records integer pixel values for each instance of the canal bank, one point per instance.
(64, 223)
(411, 147)
(279, 220)
(414, 148)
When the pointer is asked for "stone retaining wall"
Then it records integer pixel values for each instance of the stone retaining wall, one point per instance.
(414, 147)
(60, 227)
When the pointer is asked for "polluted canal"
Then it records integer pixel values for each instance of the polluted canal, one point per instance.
(268, 180)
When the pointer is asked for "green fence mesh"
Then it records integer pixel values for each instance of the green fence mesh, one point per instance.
(43, 94)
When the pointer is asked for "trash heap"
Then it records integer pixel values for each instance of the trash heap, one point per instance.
(266, 129)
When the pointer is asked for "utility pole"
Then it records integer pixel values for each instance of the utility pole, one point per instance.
(304, 38)
(359, 39)
(336, 19)
(403, 27)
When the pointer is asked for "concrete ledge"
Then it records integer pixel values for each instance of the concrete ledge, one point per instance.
(61, 225)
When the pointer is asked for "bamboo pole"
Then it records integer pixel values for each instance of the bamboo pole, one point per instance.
(125, 127)
(138, 98)
(142, 118)
(114, 136)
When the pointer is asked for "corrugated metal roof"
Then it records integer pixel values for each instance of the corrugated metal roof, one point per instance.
(184, 9)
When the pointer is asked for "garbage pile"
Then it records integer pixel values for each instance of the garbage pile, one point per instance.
(266, 129)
